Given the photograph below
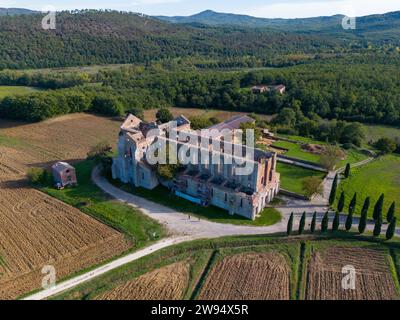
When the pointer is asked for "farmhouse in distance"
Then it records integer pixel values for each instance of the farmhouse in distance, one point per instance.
(214, 183)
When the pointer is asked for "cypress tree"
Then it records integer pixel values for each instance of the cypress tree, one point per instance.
(366, 205)
(363, 222)
(379, 207)
(290, 225)
(390, 214)
(347, 171)
(349, 221)
(391, 229)
(302, 223)
(314, 222)
(341, 202)
(378, 227)
(336, 222)
(332, 196)
(353, 203)
(325, 221)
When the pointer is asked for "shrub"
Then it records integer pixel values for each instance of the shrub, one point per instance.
(100, 150)
(312, 185)
(37, 176)
(163, 115)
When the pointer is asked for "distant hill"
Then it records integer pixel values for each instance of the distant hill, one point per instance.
(15, 11)
(90, 37)
(373, 25)
(210, 17)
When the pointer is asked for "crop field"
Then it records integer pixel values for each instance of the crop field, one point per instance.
(248, 277)
(166, 283)
(68, 137)
(15, 90)
(37, 230)
(373, 278)
(371, 180)
(256, 267)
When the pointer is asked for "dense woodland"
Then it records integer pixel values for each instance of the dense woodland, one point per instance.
(326, 78)
(104, 37)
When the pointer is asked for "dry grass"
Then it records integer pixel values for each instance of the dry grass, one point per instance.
(252, 276)
(38, 230)
(167, 283)
(150, 115)
(373, 278)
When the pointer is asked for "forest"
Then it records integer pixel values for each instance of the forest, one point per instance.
(329, 80)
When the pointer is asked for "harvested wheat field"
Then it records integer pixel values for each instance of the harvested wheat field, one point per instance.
(252, 276)
(36, 229)
(63, 138)
(167, 283)
(373, 278)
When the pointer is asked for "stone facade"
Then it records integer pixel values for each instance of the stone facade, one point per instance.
(209, 182)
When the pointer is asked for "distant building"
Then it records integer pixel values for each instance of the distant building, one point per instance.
(268, 88)
(204, 183)
(64, 175)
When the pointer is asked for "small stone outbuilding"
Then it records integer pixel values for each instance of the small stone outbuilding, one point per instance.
(64, 175)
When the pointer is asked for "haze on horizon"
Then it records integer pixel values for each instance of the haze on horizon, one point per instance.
(257, 8)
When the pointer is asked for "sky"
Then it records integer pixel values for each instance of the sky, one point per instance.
(258, 8)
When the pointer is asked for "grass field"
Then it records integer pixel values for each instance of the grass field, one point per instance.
(295, 151)
(90, 199)
(162, 196)
(292, 177)
(375, 132)
(379, 176)
(271, 267)
(15, 90)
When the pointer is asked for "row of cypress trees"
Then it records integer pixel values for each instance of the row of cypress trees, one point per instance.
(336, 224)
(377, 213)
(348, 224)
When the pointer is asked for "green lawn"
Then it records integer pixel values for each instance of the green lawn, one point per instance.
(162, 196)
(292, 176)
(15, 90)
(295, 151)
(379, 176)
(90, 199)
